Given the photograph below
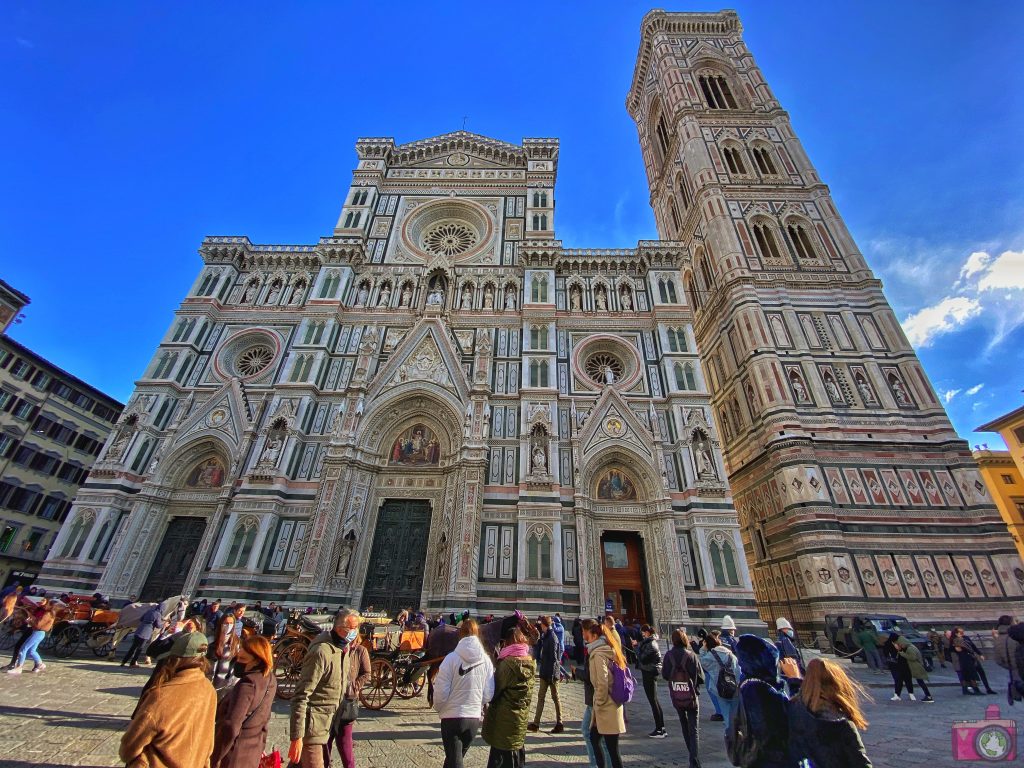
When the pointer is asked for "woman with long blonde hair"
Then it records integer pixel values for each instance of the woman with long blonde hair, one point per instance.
(825, 717)
(608, 721)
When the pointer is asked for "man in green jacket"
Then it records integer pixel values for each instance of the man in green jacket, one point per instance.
(319, 691)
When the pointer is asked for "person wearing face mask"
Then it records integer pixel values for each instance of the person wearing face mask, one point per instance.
(223, 650)
(243, 715)
(791, 661)
(334, 667)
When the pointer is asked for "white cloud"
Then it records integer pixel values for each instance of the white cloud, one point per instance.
(949, 394)
(974, 390)
(926, 325)
(1005, 272)
(976, 262)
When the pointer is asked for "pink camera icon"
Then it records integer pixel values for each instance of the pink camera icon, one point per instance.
(990, 740)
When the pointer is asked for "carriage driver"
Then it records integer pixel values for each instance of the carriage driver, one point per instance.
(323, 683)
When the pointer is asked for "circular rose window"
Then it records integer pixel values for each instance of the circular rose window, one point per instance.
(604, 360)
(603, 368)
(254, 360)
(449, 239)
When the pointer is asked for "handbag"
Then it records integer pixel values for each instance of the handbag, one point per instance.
(271, 760)
(789, 668)
(347, 712)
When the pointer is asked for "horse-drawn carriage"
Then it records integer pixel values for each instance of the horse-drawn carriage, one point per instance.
(398, 663)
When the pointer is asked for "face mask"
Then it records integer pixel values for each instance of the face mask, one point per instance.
(788, 632)
(351, 636)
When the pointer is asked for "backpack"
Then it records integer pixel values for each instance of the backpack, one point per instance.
(620, 684)
(681, 688)
(726, 687)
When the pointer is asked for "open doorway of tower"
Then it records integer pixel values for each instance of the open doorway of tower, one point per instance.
(625, 577)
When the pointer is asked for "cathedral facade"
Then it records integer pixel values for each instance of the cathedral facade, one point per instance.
(440, 405)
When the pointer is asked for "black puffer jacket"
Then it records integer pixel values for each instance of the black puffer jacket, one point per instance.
(825, 739)
(648, 654)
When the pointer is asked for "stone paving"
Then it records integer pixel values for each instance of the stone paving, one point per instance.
(74, 712)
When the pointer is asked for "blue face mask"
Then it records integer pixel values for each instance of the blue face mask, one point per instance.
(352, 635)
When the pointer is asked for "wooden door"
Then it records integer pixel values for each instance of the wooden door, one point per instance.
(394, 578)
(173, 559)
(623, 567)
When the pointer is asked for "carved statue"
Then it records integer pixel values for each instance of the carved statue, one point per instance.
(601, 300)
(247, 294)
(510, 298)
(627, 299)
(275, 292)
(902, 398)
(435, 297)
(865, 390)
(296, 297)
(705, 461)
(467, 298)
(489, 298)
(406, 298)
(540, 462)
(362, 295)
(385, 296)
(799, 389)
(574, 298)
(124, 436)
(345, 556)
(833, 389)
(271, 452)
(609, 375)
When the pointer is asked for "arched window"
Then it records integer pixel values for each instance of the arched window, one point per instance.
(723, 563)
(539, 289)
(348, 219)
(766, 243)
(662, 293)
(674, 213)
(543, 199)
(97, 545)
(661, 139)
(717, 93)
(763, 158)
(538, 557)
(538, 373)
(539, 337)
(166, 364)
(142, 456)
(536, 222)
(76, 539)
(544, 221)
(241, 545)
(670, 286)
(661, 131)
(802, 246)
(677, 340)
(692, 290)
(684, 193)
(734, 160)
(536, 199)
(183, 371)
(330, 285)
(685, 379)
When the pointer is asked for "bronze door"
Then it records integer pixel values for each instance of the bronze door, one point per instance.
(173, 559)
(394, 578)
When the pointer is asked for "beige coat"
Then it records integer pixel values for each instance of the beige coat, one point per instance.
(608, 716)
(173, 725)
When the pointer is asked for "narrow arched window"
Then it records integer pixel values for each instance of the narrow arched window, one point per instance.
(141, 456)
(717, 93)
(695, 297)
(348, 219)
(76, 539)
(538, 557)
(536, 222)
(662, 293)
(661, 131)
(544, 221)
(98, 542)
(536, 199)
(674, 213)
(734, 160)
(539, 292)
(729, 560)
(802, 246)
(763, 158)
(241, 546)
(716, 564)
(766, 244)
(671, 286)
(543, 199)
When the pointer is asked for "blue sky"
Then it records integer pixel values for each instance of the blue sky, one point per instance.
(132, 130)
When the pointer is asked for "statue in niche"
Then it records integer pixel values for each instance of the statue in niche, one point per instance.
(275, 292)
(271, 452)
(124, 436)
(247, 294)
(362, 296)
(510, 298)
(902, 398)
(385, 296)
(798, 388)
(575, 298)
(627, 299)
(489, 298)
(296, 297)
(833, 389)
(406, 298)
(442, 556)
(609, 375)
(348, 545)
(601, 299)
(539, 460)
(865, 390)
(705, 461)
(467, 297)
(436, 296)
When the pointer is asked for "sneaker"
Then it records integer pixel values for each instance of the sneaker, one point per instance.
(559, 728)
(39, 667)
(913, 697)
(14, 671)
(895, 697)
(928, 700)
(533, 727)
(717, 718)
(657, 733)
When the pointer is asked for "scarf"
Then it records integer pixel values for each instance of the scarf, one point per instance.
(515, 650)
(591, 647)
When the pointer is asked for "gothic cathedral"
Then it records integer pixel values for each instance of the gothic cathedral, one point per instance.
(440, 406)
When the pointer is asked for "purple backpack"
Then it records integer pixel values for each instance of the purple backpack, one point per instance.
(620, 684)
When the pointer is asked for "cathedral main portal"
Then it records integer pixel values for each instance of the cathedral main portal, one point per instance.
(624, 568)
(394, 578)
(174, 558)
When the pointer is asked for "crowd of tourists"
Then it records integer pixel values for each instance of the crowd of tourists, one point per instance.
(208, 699)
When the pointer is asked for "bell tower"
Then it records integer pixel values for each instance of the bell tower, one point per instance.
(854, 492)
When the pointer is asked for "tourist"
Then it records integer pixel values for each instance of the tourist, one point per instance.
(608, 721)
(40, 621)
(824, 719)
(722, 671)
(965, 663)
(582, 674)
(9, 601)
(213, 615)
(504, 727)
(579, 648)
(791, 661)
(684, 674)
(649, 656)
(243, 715)
(559, 629)
(464, 683)
(548, 669)
(1005, 649)
(335, 668)
(173, 724)
(759, 734)
(979, 669)
(222, 650)
(938, 644)
(151, 620)
(866, 637)
(910, 666)
(728, 637)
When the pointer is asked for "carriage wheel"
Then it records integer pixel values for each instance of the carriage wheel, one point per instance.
(66, 642)
(380, 687)
(411, 684)
(288, 668)
(106, 648)
(8, 634)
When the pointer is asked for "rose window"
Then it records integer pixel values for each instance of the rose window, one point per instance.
(604, 368)
(449, 239)
(254, 360)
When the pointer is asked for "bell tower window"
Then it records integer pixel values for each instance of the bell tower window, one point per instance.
(717, 93)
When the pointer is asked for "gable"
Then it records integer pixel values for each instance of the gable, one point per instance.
(613, 424)
(424, 356)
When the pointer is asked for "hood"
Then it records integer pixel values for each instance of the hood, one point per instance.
(470, 650)
(758, 658)
(821, 724)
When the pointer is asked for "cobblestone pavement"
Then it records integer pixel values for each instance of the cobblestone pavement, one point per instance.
(74, 712)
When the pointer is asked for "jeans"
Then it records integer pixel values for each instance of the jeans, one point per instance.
(588, 718)
(873, 658)
(904, 680)
(729, 707)
(688, 720)
(456, 735)
(651, 689)
(29, 648)
(132, 657)
(714, 699)
(611, 742)
(344, 745)
(545, 685)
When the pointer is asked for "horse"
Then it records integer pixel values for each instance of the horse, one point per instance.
(443, 638)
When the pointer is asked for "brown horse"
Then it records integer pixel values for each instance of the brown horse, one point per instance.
(443, 638)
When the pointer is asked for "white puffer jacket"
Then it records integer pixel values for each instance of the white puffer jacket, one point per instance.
(464, 682)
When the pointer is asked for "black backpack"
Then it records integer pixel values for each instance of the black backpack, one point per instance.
(726, 687)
